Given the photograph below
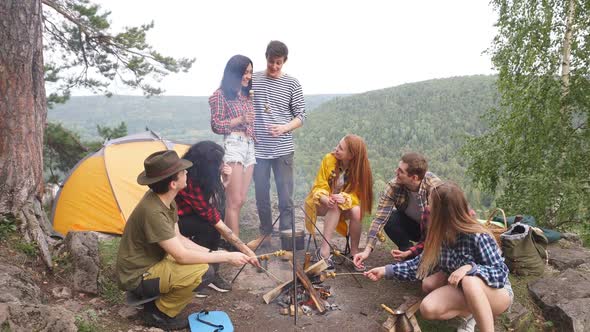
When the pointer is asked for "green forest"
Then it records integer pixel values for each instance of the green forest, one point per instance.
(433, 117)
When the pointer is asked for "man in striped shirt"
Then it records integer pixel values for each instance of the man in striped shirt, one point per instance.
(280, 108)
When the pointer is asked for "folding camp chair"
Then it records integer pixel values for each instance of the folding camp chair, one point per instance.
(337, 259)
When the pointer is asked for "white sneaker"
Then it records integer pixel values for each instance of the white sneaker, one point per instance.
(329, 261)
(202, 293)
(467, 324)
(220, 285)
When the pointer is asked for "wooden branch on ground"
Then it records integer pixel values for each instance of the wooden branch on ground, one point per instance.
(411, 305)
(317, 300)
(311, 271)
(409, 308)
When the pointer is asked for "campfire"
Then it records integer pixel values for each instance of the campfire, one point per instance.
(312, 295)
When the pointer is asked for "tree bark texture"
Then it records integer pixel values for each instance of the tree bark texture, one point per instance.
(23, 112)
(23, 107)
(567, 49)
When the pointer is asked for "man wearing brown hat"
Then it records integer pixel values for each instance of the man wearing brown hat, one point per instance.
(154, 258)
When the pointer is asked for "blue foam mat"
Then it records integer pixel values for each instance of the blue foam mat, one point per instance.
(213, 317)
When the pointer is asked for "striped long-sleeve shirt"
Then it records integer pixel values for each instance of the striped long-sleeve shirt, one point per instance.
(276, 101)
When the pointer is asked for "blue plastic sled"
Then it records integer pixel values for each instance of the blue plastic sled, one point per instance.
(210, 321)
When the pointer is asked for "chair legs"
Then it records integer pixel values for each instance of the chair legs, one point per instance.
(337, 259)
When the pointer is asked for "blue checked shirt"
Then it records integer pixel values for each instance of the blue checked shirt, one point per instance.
(479, 250)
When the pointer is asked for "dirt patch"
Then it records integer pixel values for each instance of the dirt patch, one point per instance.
(358, 300)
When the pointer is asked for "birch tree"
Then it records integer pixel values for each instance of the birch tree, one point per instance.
(536, 154)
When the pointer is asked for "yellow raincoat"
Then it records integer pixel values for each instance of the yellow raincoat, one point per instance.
(322, 186)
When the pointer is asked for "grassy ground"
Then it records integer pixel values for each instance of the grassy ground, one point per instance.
(109, 289)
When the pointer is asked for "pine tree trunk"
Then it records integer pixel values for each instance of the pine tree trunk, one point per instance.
(23, 112)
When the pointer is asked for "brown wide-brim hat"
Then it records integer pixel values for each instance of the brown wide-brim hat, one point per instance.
(160, 165)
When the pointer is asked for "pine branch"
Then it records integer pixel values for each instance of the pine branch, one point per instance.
(66, 15)
(90, 34)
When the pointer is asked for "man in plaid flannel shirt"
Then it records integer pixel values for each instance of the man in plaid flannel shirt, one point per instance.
(402, 212)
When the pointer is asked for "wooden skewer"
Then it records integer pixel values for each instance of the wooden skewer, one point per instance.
(334, 274)
(272, 275)
(338, 253)
(265, 257)
(393, 312)
(388, 309)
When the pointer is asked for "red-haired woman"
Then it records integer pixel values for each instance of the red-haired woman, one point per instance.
(343, 190)
(461, 266)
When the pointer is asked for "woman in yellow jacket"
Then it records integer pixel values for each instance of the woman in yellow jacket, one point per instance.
(343, 190)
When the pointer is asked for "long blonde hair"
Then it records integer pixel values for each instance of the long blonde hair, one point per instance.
(449, 217)
(360, 178)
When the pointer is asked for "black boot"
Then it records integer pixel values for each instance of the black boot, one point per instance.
(152, 316)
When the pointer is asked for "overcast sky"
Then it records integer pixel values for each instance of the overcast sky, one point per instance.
(334, 46)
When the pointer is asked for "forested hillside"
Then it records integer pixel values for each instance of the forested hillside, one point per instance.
(432, 117)
(178, 118)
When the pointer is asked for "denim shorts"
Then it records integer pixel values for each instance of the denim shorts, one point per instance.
(508, 288)
(239, 149)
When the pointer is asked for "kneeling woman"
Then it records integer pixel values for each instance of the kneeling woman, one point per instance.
(343, 189)
(200, 203)
(462, 269)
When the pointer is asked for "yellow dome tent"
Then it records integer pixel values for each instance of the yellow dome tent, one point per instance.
(101, 191)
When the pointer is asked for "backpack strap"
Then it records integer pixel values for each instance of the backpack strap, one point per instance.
(205, 312)
(540, 241)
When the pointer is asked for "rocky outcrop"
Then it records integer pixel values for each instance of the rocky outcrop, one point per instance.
(564, 259)
(565, 299)
(83, 248)
(17, 286)
(21, 307)
(570, 239)
(36, 317)
(518, 319)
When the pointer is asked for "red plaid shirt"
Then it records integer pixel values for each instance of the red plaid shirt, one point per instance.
(396, 197)
(190, 200)
(223, 110)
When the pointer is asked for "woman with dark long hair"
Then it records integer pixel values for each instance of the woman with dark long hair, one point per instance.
(200, 204)
(232, 115)
(461, 267)
(343, 190)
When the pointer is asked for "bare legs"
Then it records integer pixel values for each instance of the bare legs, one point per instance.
(354, 228)
(332, 216)
(236, 192)
(434, 281)
(445, 301)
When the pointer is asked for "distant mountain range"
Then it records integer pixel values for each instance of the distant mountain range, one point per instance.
(432, 117)
(178, 118)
